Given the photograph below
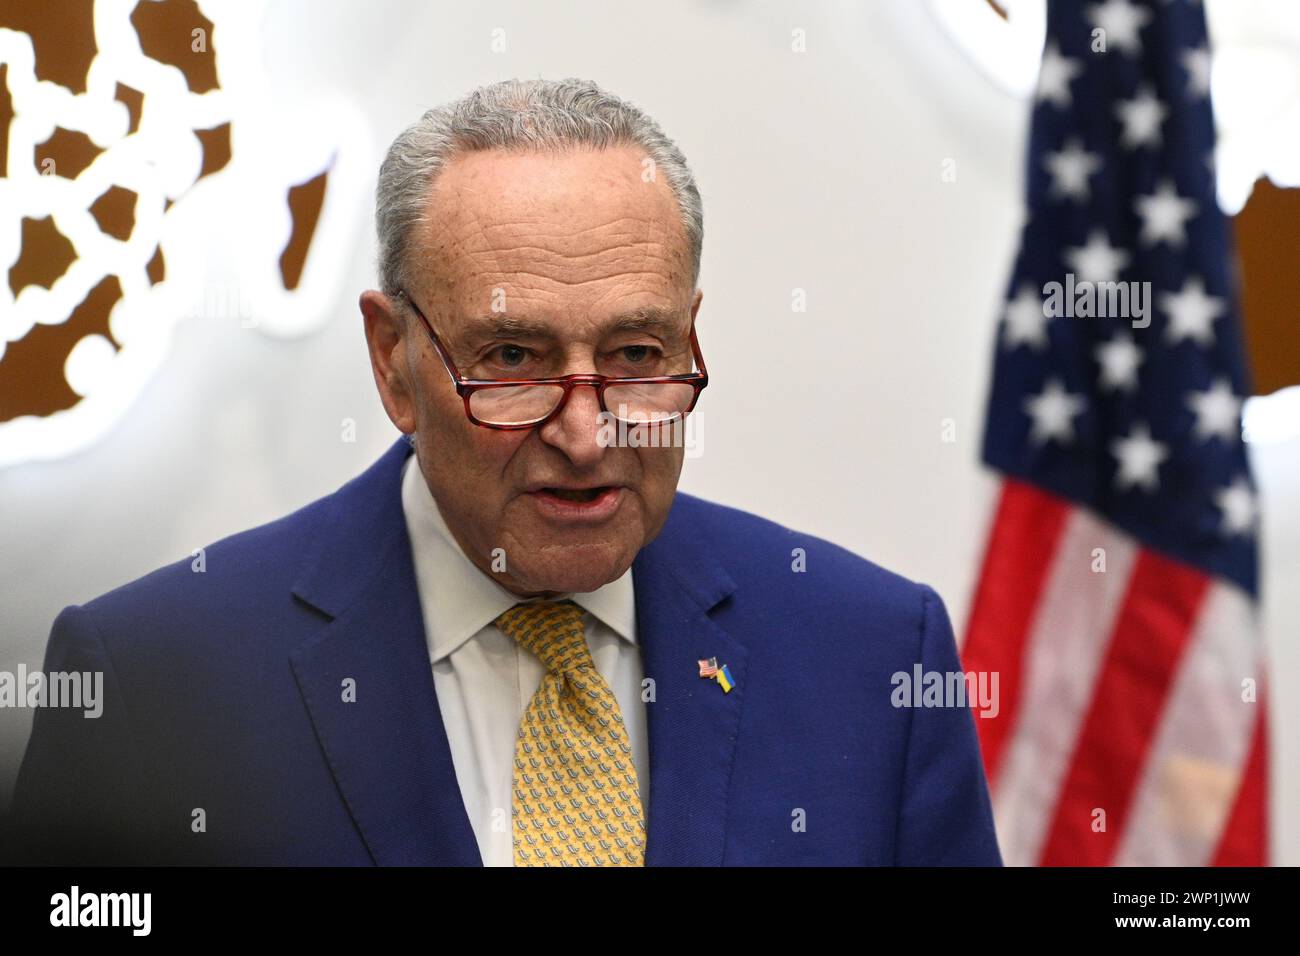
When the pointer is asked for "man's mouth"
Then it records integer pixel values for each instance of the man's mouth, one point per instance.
(577, 494)
(583, 505)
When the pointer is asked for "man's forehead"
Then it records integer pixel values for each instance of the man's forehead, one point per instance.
(490, 198)
(494, 204)
(506, 230)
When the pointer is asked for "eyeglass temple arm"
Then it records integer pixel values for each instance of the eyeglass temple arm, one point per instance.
(437, 344)
(699, 356)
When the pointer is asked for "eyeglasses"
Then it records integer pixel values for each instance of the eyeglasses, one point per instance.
(511, 403)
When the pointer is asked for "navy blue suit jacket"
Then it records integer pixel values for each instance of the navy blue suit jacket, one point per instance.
(224, 704)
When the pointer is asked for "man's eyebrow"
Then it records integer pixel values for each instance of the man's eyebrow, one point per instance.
(502, 326)
(666, 322)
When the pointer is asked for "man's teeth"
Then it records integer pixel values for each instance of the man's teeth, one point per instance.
(584, 494)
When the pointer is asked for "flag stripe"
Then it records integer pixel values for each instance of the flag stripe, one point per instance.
(1063, 660)
(1142, 656)
(1194, 770)
(1245, 839)
(1022, 541)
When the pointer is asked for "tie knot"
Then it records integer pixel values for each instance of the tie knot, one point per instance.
(552, 630)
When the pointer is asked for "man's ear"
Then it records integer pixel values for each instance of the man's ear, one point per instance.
(695, 303)
(386, 339)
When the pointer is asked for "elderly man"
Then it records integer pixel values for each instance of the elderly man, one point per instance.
(511, 641)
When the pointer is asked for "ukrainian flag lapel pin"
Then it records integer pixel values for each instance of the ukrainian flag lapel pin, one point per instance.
(725, 680)
(709, 667)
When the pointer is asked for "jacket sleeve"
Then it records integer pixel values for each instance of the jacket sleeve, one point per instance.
(78, 799)
(945, 815)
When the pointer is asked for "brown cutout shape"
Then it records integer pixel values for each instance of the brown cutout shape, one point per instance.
(133, 100)
(62, 34)
(45, 254)
(216, 149)
(31, 369)
(6, 114)
(305, 202)
(1268, 237)
(166, 31)
(71, 151)
(115, 212)
(157, 267)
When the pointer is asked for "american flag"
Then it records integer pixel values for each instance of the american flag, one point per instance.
(1117, 598)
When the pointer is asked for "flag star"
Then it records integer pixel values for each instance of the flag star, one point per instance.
(1119, 359)
(1139, 459)
(1121, 21)
(1141, 117)
(1055, 75)
(1052, 413)
(1025, 320)
(1098, 260)
(1071, 169)
(1164, 215)
(1218, 411)
(1191, 313)
(1239, 507)
(1196, 62)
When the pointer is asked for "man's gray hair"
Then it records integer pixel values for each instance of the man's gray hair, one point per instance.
(517, 115)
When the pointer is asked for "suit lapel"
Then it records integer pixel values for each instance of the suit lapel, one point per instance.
(387, 749)
(692, 723)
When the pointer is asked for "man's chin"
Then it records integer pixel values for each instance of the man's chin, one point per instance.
(580, 574)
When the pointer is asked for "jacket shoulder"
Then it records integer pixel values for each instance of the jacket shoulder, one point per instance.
(232, 574)
(784, 561)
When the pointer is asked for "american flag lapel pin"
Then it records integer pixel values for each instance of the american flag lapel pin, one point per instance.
(709, 667)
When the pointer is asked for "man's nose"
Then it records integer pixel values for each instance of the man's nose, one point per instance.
(576, 429)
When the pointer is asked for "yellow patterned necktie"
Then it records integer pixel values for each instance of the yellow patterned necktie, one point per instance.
(576, 800)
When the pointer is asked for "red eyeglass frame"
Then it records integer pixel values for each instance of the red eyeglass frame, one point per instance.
(465, 387)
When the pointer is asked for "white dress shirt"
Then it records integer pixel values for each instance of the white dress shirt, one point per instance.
(484, 679)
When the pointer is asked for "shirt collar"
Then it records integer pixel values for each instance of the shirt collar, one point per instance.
(459, 600)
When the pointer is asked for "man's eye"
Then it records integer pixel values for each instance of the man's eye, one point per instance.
(636, 354)
(512, 354)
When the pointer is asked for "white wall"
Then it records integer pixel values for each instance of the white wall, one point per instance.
(819, 171)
